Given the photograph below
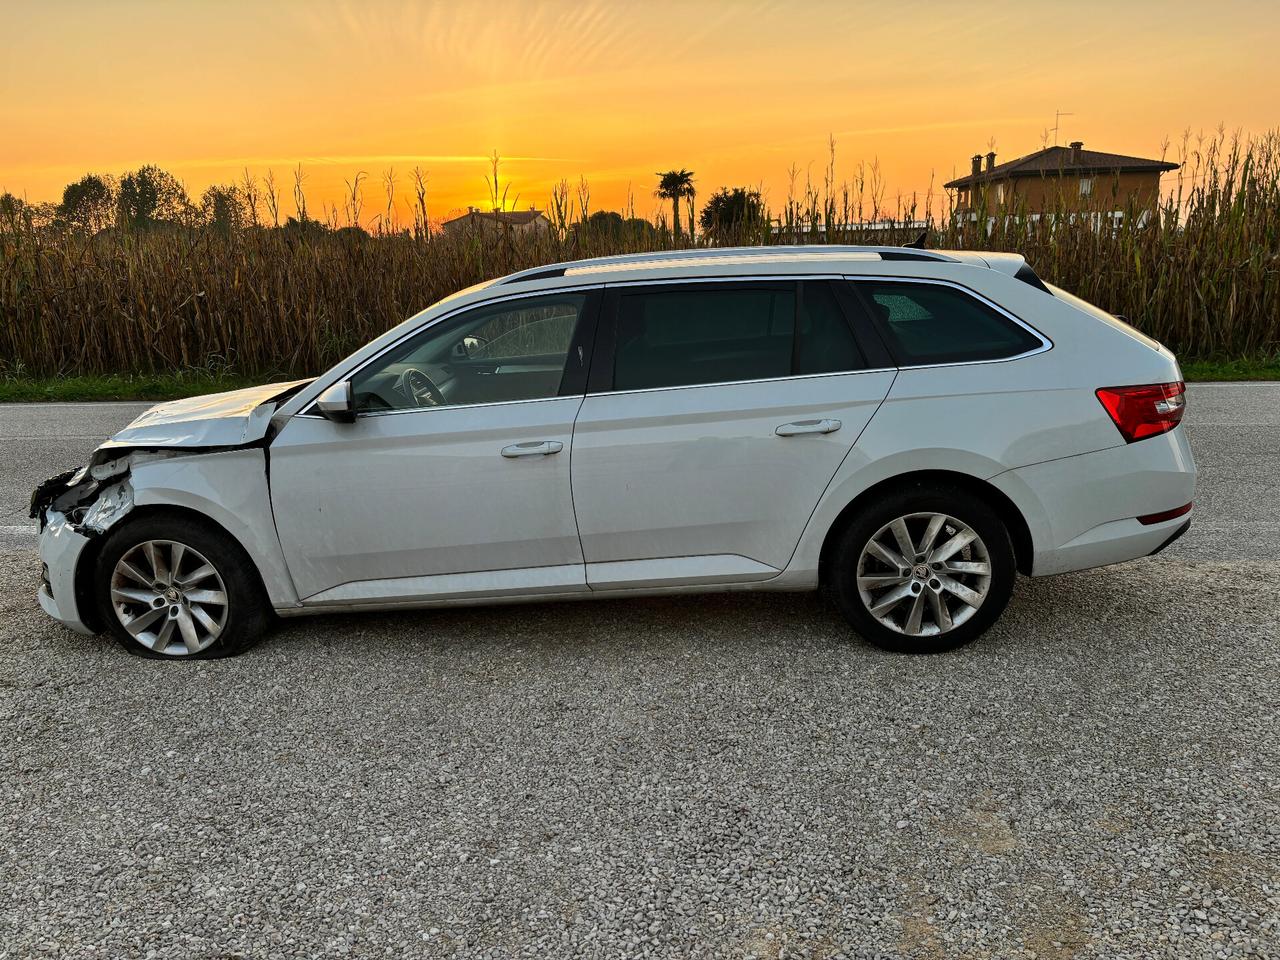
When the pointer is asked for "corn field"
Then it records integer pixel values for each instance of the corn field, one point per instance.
(1202, 274)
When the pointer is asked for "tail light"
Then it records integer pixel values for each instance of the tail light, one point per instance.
(1145, 411)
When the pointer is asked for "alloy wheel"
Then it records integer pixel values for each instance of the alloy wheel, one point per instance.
(169, 598)
(924, 574)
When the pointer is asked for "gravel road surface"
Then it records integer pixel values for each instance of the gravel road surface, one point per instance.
(1098, 777)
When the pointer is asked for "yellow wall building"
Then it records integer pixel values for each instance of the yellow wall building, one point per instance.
(1060, 179)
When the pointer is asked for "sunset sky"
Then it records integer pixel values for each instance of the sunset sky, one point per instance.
(735, 91)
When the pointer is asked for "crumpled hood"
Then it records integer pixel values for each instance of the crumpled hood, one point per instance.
(229, 419)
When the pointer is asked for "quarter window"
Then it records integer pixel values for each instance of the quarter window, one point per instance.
(933, 323)
(721, 333)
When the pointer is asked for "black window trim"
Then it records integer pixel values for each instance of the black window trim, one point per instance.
(870, 341)
(857, 284)
(600, 379)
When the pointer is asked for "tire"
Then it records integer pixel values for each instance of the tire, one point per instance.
(881, 603)
(214, 607)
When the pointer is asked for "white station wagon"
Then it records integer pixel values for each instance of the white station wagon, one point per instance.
(905, 429)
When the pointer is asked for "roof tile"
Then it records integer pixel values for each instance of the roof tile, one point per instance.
(1055, 160)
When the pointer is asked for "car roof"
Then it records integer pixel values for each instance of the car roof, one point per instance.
(746, 262)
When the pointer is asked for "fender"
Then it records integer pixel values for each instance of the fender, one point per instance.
(230, 488)
(861, 471)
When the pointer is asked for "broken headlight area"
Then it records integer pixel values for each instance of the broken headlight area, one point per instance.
(93, 497)
(53, 488)
(64, 493)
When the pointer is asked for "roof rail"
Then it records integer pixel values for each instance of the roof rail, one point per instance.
(552, 271)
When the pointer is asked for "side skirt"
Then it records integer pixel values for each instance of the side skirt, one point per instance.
(786, 582)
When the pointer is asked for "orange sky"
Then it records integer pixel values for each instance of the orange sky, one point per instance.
(735, 91)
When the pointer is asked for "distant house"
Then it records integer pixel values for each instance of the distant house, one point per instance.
(517, 221)
(1104, 185)
(807, 231)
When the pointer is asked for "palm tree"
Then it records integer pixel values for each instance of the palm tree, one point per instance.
(675, 185)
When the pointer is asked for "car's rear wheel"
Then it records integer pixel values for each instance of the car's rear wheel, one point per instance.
(173, 588)
(924, 570)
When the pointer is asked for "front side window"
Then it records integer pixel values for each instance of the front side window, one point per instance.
(515, 350)
(723, 333)
(933, 323)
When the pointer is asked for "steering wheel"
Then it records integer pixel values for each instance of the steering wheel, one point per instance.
(418, 388)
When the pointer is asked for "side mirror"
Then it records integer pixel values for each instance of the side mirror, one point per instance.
(337, 403)
(468, 347)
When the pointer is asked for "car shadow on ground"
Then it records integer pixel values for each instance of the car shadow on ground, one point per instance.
(1044, 614)
(1137, 606)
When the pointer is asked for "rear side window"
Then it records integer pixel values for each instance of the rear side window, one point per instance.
(721, 333)
(933, 323)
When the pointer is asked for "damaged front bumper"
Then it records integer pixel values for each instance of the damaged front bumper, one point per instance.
(72, 508)
(61, 547)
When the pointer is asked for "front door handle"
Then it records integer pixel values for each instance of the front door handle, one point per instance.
(808, 426)
(533, 448)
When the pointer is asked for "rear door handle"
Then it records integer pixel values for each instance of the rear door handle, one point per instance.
(798, 427)
(533, 448)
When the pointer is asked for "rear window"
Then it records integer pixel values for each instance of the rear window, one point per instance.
(934, 323)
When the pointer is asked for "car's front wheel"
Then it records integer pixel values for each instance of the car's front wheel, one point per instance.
(173, 587)
(924, 570)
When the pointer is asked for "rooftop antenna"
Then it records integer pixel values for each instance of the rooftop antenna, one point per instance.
(1057, 121)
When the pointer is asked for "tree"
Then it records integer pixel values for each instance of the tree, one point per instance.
(675, 185)
(223, 208)
(610, 224)
(16, 212)
(604, 222)
(149, 196)
(729, 211)
(87, 203)
(303, 228)
(11, 207)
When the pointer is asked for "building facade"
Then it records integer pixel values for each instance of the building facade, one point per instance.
(517, 221)
(1061, 180)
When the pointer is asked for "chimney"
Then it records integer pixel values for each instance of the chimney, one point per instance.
(1076, 147)
(991, 161)
(977, 164)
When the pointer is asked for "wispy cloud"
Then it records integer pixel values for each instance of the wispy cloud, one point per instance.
(330, 160)
(360, 158)
(943, 125)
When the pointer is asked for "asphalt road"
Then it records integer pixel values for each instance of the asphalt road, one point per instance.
(1097, 777)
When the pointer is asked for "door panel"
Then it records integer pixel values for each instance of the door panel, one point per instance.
(702, 471)
(426, 493)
